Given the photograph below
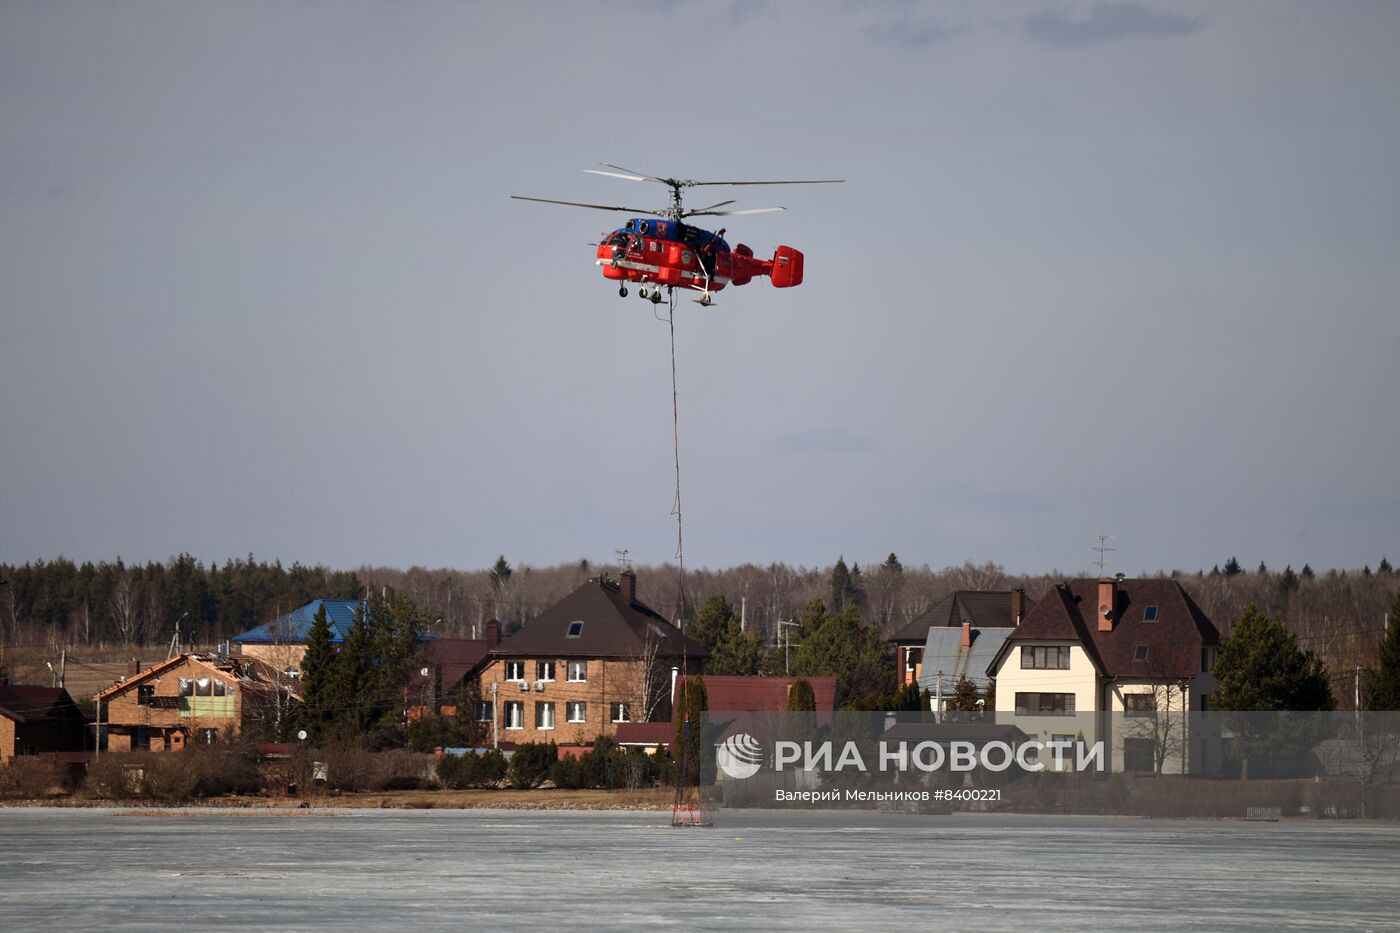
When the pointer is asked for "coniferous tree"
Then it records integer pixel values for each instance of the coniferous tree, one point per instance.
(1260, 667)
(1385, 688)
(1384, 566)
(801, 697)
(842, 589)
(1307, 572)
(840, 646)
(965, 698)
(320, 704)
(1232, 567)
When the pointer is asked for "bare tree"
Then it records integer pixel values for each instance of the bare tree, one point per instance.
(123, 606)
(1158, 713)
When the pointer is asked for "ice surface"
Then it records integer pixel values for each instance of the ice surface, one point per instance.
(755, 870)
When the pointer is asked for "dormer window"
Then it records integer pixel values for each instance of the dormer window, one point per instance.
(1140, 653)
(1149, 614)
(575, 630)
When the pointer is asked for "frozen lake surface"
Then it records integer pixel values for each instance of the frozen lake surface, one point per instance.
(755, 870)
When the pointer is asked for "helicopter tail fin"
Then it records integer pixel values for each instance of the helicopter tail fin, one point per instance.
(787, 267)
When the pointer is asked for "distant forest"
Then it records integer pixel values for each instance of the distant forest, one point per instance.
(1339, 614)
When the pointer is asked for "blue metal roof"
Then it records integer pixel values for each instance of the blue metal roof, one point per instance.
(295, 626)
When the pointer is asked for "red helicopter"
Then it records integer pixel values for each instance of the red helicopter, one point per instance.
(662, 248)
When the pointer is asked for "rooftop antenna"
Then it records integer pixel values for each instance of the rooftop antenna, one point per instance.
(622, 559)
(1103, 549)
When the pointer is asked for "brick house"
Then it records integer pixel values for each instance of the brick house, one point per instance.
(184, 699)
(1123, 661)
(281, 642)
(981, 609)
(597, 658)
(39, 720)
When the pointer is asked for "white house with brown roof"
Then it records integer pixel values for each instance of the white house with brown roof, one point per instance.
(1126, 662)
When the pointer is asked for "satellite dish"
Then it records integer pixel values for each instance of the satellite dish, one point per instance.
(302, 735)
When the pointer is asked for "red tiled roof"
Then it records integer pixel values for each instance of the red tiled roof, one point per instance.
(1174, 641)
(646, 733)
(763, 694)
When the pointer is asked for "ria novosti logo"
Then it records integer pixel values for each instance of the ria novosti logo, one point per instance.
(739, 756)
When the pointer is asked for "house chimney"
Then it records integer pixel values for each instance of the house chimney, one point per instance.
(1018, 606)
(967, 636)
(1108, 603)
(133, 667)
(493, 633)
(627, 583)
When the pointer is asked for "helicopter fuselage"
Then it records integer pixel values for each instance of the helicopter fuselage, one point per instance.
(678, 255)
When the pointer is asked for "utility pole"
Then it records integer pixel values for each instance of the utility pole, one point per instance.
(495, 734)
(787, 643)
(62, 667)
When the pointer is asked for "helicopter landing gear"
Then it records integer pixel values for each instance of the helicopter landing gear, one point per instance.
(622, 291)
(642, 292)
(705, 300)
(656, 297)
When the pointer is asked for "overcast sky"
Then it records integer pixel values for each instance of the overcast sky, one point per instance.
(1119, 267)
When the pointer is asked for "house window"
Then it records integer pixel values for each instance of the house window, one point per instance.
(515, 714)
(1045, 657)
(1207, 659)
(186, 687)
(578, 711)
(208, 736)
(1044, 704)
(544, 670)
(621, 712)
(484, 712)
(1139, 755)
(204, 687)
(144, 694)
(1140, 653)
(1137, 705)
(222, 689)
(575, 630)
(912, 656)
(515, 670)
(578, 672)
(544, 715)
(1149, 614)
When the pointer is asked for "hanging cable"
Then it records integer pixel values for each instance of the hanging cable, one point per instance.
(676, 438)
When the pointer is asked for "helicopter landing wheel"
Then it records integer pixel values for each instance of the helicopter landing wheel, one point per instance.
(656, 297)
(622, 291)
(705, 300)
(642, 291)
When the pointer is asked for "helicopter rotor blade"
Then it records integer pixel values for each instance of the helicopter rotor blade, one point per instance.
(703, 210)
(816, 181)
(594, 171)
(751, 210)
(636, 176)
(596, 207)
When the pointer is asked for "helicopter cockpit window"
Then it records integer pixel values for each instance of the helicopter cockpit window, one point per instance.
(618, 239)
